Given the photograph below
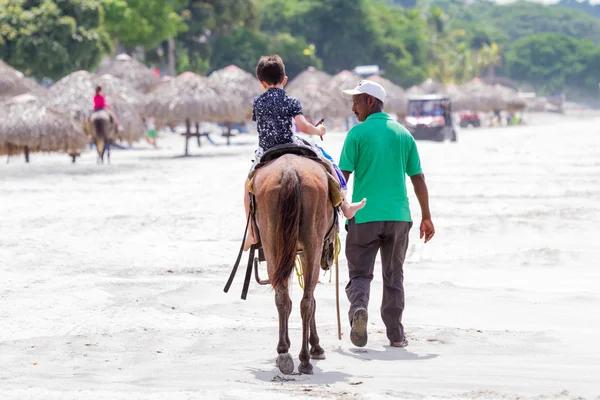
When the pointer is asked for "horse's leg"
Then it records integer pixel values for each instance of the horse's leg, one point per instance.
(284, 308)
(311, 265)
(103, 151)
(316, 351)
(307, 309)
(312, 232)
(108, 151)
(96, 144)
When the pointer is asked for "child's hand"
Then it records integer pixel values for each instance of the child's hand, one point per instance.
(322, 130)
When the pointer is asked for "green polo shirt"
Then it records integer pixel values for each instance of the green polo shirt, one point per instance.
(381, 153)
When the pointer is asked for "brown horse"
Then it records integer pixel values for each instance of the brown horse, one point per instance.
(294, 213)
(103, 130)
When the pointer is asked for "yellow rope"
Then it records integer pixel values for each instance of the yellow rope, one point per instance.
(298, 263)
(336, 253)
(299, 271)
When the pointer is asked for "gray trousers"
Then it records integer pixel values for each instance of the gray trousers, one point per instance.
(362, 244)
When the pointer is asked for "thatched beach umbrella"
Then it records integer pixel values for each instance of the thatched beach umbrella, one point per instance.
(510, 100)
(342, 81)
(193, 98)
(311, 88)
(415, 91)
(395, 98)
(12, 82)
(130, 70)
(112, 84)
(461, 100)
(482, 97)
(533, 102)
(429, 86)
(75, 93)
(27, 124)
(242, 85)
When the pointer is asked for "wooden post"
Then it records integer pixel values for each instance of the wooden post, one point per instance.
(187, 134)
(171, 56)
(228, 124)
(198, 133)
(9, 146)
(26, 154)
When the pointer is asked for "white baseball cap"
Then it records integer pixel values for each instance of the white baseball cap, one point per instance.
(366, 87)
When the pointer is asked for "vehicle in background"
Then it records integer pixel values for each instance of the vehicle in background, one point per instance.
(469, 118)
(429, 117)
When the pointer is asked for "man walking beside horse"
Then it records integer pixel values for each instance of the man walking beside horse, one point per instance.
(381, 153)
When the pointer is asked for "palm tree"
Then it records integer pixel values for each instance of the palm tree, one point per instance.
(488, 57)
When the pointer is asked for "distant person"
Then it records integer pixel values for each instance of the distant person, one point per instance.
(101, 104)
(151, 132)
(380, 153)
(273, 112)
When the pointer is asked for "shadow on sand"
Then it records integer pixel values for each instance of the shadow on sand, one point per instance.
(387, 354)
(319, 377)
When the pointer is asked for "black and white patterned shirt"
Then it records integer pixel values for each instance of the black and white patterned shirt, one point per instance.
(273, 112)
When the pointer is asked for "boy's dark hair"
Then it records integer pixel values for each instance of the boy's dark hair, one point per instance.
(98, 89)
(271, 70)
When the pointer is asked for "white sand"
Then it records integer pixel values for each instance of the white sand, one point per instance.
(503, 303)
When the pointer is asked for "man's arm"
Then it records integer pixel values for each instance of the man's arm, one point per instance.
(346, 175)
(426, 229)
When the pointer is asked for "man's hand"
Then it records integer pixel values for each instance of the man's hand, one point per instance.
(426, 230)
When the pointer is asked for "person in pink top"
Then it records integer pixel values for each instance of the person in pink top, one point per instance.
(101, 104)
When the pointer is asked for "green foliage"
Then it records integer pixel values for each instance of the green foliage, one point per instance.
(554, 61)
(402, 47)
(296, 53)
(241, 47)
(411, 40)
(346, 34)
(142, 22)
(52, 38)
(208, 25)
(524, 19)
(585, 6)
(517, 20)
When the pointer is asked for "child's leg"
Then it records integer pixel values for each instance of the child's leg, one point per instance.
(250, 238)
(348, 209)
(114, 117)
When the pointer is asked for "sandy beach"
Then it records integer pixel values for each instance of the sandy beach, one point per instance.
(112, 277)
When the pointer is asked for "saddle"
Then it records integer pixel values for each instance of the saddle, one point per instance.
(302, 150)
(327, 257)
(101, 114)
(290, 148)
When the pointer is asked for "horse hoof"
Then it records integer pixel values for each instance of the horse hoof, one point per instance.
(317, 354)
(307, 370)
(285, 363)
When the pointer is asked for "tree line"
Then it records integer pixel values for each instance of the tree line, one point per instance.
(549, 48)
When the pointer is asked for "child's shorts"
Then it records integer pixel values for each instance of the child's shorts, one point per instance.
(336, 168)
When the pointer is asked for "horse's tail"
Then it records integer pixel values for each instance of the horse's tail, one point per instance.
(287, 227)
(100, 136)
